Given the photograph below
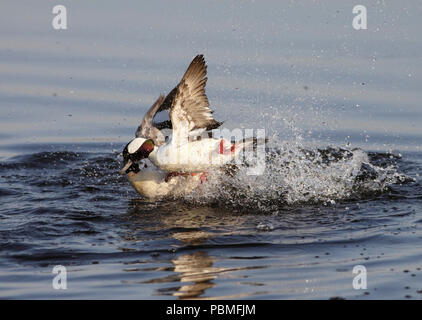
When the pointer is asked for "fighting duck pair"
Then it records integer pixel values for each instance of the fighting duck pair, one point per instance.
(158, 166)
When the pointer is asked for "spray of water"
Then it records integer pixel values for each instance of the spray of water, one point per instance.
(298, 175)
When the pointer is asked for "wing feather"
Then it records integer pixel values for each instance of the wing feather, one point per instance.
(190, 106)
(148, 129)
(186, 103)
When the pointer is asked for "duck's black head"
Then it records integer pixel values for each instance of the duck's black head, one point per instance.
(135, 151)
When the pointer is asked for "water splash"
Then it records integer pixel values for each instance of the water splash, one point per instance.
(295, 175)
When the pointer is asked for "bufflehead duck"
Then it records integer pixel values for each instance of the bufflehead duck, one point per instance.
(190, 116)
(146, 178)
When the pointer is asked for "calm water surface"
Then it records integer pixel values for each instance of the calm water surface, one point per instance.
(70, 100)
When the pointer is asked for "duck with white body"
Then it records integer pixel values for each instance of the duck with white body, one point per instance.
(177, 165)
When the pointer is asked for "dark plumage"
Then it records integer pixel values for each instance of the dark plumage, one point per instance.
(190, 103)
(187, 101)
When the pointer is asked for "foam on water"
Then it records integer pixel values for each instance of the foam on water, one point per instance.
(295, 175)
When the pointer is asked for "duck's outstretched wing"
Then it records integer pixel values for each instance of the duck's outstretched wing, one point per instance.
(190, 108)
(162, 118)
(156, 119)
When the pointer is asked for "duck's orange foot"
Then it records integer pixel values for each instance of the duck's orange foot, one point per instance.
(223, 150)
(203, 177)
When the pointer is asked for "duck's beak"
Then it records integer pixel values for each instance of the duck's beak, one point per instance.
(126, 166)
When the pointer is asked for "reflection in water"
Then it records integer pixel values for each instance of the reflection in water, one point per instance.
(195, 271)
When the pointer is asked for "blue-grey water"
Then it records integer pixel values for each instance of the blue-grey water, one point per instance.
(342, 185)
